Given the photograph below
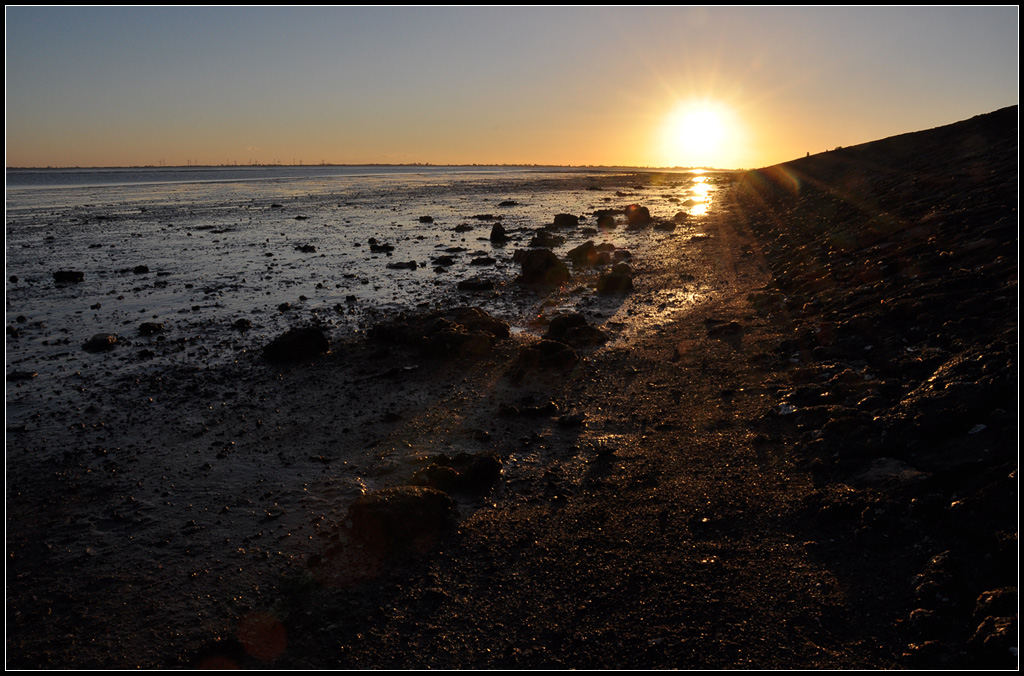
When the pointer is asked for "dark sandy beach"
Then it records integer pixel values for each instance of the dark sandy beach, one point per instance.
(812, 466)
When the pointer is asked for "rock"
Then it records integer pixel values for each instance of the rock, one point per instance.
(407, 265)
(462, 332)
(150, 328)
(680, 217)
(68, 276)
(402, 520)
(101, 342)
(463, 227)
(475, 284)
(565, 221)
(1000, 602)
(540, 266)
(508, 203)
(637, 217)
(463, 473)
(606, 222)
(242, 325)
(546, 239)
(718, 330)
(305, 248)
(590, 254)
(444, 260)
(995, 642)
(482, 260)
(498, 235)
(426, 219)
(19, 376)
(547, 355)
(297, 344)
(140, 269)
(573, 329)
(380, 248)
(618, 281)
(665, 226)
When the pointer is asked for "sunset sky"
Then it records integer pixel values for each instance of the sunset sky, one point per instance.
(732, 88)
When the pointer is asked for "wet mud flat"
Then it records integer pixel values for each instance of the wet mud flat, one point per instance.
(165, 477)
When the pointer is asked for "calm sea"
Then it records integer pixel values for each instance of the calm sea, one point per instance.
(94, 177)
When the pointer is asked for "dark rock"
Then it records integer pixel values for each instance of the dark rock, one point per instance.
(305, 248)
(1000, 602)
(482, 260)
(722, 329)
(402, 520)
(68, 276)
(380, 248)
(546, 239)
(463, 473)
(407, 265)
(547, 355)
(498, 234)
(475, 284)
(590, 254)
(540, 266)
(508, 203)
(573, 329)
(995, 641)
(462, 332)
(101, 342)
(565, 221)
(606, 222)
(463, 227)
(665, 226)
(426, 219)
(297, 344)
(18, 376)
(612, 283)
(150, 328)
(681, 217)
(637, 217)
(444, 260)
(140, 269)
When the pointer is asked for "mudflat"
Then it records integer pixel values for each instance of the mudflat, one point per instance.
(797, 449)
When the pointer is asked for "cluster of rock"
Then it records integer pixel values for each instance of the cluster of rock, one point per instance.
(461, 332)
(903, 366)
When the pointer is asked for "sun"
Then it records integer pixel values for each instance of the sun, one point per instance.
(698, 134)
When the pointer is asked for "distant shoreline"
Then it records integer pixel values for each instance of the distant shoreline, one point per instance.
(579, 167)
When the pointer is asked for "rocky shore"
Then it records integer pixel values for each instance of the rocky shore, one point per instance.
(795, 448)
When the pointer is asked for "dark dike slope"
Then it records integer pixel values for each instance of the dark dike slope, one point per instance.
(898, 259)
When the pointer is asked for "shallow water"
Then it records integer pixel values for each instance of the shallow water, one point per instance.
(284, 251)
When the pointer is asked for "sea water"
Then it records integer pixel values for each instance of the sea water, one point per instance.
(198, 249)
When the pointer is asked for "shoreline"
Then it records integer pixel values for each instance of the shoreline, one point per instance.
(706, 494)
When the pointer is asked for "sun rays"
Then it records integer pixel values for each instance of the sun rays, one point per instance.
(699, 134)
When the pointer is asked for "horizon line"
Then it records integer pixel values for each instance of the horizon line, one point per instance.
(370, 164)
